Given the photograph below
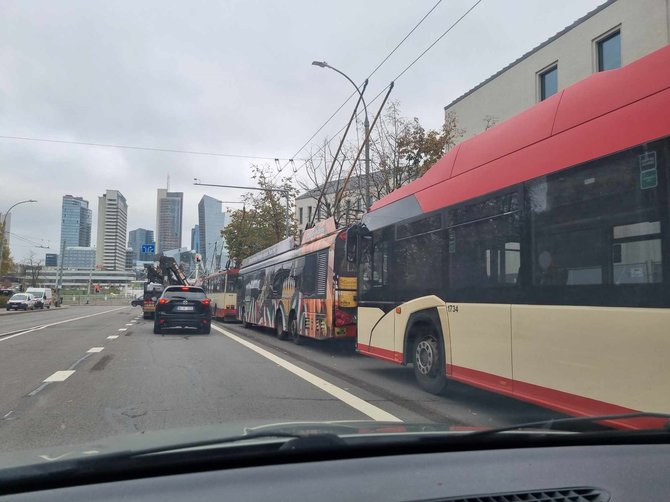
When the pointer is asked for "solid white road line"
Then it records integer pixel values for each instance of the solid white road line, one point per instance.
(93, 350)
(59, 376)
(346, 397)
(37, 328)
(112, 337)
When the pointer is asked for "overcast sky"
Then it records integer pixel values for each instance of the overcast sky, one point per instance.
(231, 77)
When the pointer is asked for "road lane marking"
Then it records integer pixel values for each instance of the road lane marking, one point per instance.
(37, 328)
(346, 397)
(129, 324)
(93, 350)
(60, 376)
(123, 329)
(112, 337)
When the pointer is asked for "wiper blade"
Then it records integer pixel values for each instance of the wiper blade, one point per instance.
(549, 424)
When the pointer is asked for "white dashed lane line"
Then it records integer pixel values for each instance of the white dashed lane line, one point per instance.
(93, 350)
(123, 329)
(60, 376)
(112, 337)
(129, 324)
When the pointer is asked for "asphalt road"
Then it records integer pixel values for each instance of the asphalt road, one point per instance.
(79, 374)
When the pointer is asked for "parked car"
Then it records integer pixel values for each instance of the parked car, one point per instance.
(21, 301)
(7, 292)
(43, 297)
(183, 307)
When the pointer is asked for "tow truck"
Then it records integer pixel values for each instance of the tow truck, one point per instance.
(165, 273)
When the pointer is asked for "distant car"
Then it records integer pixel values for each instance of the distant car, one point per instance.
(137, 302)
(21, 301)
(43, 297)
(183, 307)
(7, 292)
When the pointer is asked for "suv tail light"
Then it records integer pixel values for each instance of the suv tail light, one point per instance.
(343, 318)
(163, 301)
(206, 301)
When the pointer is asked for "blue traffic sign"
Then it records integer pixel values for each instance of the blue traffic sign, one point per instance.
(148, 248)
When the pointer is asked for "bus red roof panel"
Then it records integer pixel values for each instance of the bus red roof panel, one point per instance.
(594, 139)
(606, 91)
(523, 147)
(526, 128)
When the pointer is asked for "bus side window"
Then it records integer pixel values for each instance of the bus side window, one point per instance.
(379, 264)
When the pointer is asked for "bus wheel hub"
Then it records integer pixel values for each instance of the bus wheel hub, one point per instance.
(425, 356)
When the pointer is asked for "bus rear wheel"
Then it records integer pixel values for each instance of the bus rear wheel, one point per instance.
(429, 361)
(279, 327)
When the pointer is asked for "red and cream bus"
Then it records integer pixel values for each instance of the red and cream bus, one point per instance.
(221, 288)
(533, 260)
(306, 290)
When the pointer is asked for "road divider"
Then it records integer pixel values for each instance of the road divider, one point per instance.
(348, 398)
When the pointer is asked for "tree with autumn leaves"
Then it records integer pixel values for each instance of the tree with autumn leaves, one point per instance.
(401, 150)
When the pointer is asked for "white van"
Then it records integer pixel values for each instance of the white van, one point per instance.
(44, 297)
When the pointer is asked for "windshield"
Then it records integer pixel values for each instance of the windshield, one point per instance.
(185, 293)
(241, 214)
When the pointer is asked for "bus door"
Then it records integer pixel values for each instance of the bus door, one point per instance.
(484, 265)
(345, 289)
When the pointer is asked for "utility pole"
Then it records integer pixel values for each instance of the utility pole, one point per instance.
(60, 276)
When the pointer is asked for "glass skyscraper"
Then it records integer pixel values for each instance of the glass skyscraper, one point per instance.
(169, 210)
(138, 237)
(211, 220)
(76, 223)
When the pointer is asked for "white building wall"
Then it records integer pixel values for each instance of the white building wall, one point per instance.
(644, 26)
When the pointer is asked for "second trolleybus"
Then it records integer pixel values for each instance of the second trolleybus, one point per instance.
(306, 290)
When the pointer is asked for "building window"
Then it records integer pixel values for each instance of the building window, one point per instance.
(309, 213)
(609, 51)
(548, 82)
(300, 213)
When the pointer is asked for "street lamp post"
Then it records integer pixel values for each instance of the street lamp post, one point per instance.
(366, 125)
(4, 221)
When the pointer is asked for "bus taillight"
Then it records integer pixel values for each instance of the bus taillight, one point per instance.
(343, 318)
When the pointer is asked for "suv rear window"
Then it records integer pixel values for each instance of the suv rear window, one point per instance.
(185, 292)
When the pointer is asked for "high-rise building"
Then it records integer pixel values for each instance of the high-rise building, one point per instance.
(51, 260)
(112, 226)
(76, 222)
(169, 210)
(211, 220)
(79, 257)
(195, 238)
(138, 238)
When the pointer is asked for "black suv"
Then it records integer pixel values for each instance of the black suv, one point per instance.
(183, 307)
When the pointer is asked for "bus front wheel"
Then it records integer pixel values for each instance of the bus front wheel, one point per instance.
(429, 362)
(279, 327)
(294, 330)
